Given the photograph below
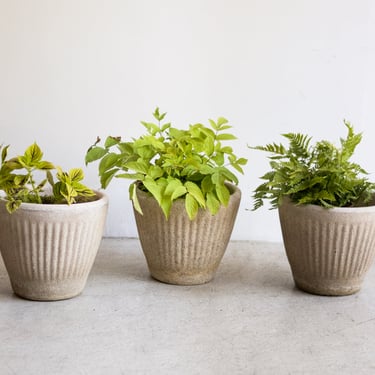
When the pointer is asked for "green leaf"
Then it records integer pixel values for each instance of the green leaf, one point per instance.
(223, 194)
(45, 165)
(95, 153)
(209, 147)
(13, 205)
(76, 174)
(154, 188)
(212, 203)
(195, 191)
(237, 167)
(138, 166)
(221, 121)
(178, 192)
(134, 197)
(152, 128)
(207, 185)
(155, 172)
(20, 179)
(219, 158)
(50, 178)
(106, 177)
(4, 153)
(213, 124)
(108, 162)
(14, 163)
(131, 176)
(33, 154)
(159, 116)
(225, 137)
(166, 204)
(172, 185)
(226, 150)
(191, 206)
(165, 127)
(111, 141)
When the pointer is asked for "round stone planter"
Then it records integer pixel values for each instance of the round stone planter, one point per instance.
(329, 250)
(181, 251)
(48, 250)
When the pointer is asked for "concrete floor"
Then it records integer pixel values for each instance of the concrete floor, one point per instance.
(249, 320)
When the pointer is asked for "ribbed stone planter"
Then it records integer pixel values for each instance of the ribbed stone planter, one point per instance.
(180, 251)
(329, 250)
(48, 250)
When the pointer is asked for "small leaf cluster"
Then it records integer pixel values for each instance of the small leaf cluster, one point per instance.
(172, 163)
(320, 174)
(18, 180)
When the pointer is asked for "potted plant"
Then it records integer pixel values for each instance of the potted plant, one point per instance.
(50, 230)
(184, 195)
(326, 209)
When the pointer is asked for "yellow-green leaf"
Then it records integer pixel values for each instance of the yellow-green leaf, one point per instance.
(191, 206)
(33, 154)
(196, 192)
(179, 192)
(134, 198)
(223, 194)
(212, 203)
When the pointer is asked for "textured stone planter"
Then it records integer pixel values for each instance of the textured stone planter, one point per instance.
(180, 251)
(49, 250)
(329, 250)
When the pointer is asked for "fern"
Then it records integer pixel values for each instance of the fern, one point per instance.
(321, 174)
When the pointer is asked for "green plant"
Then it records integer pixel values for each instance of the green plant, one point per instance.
(171, 163)
(321, 174)
(18, 180)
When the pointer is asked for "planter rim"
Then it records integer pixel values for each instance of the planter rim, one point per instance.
(102, 200)
(319, 209)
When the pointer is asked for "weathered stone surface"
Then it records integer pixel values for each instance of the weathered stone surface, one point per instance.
(49, 250)
(178, 250)
(329, 250)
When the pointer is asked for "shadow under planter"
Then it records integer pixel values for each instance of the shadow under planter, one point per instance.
(329, 250)
(182, 251)
(49, 249)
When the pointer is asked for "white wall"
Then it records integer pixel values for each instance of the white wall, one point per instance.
(74, 69)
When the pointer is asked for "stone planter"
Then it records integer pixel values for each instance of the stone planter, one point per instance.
(329, 250)
(49, 250)
(180, 251)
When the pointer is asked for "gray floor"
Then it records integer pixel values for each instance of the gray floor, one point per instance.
(249, 320)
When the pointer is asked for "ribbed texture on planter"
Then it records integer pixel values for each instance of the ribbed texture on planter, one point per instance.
(49, 250)
(180, 251)
(329, 250)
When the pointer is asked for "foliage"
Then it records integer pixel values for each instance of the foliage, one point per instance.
(18, 180)
(321, 174)
(172, 163)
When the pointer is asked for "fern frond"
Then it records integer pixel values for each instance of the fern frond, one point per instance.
(320, 174)
(349, 144)
(298, 144)
(273, 148)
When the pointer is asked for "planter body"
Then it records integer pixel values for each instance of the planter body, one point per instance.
(49, 250)
(180, 251)
(329, 250)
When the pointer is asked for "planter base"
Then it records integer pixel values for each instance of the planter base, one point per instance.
(176, 278)
(49, 291)
(328, 288)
